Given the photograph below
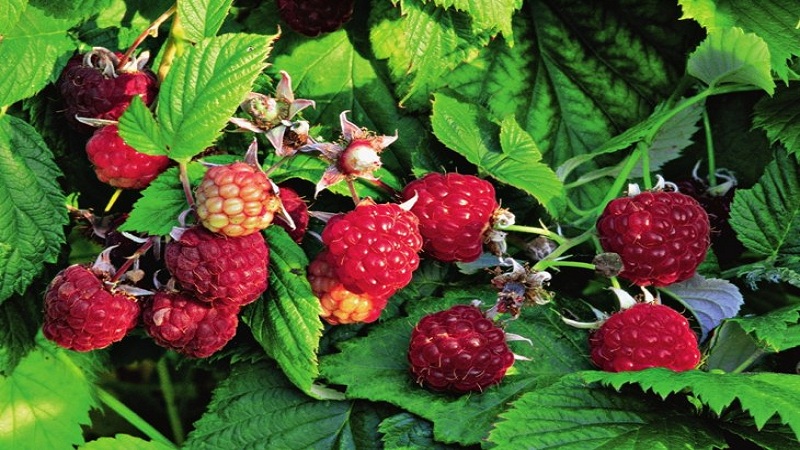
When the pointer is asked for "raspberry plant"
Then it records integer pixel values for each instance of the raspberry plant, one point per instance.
(559, 106)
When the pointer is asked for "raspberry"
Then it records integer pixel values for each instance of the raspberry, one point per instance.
(454, 211)
(458, 350)
(661, 236)
(314, 17)
(642, 336)
(217, 268)
(92, 86)
(119, 164)
(82, 314)
(718, 206)
(339, 305)
(373, 248)
(178, 321)
(297, 209)
(236, 199)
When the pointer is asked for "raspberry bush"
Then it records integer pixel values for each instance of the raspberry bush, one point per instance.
(268, 251)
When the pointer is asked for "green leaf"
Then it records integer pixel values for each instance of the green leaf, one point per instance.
(762, 395)
(20, 320)
(508, 154)
(779, 117)
(406, 431)
(572, 415)
(710, 300)
(201, 92)
(375, 368)
(775, 21)
(30, 48)
(202, 19)
(768, 438)
(422, 45)
(286, 320)
(774, 270)
(156, 211)
(775, 331)
(10, 14)
(257, 407)
(731, 349)
(766, 217)
(487, 15)
(46, 401)
(32, 206)
(732, 56)
(121, 441)
(72, 9)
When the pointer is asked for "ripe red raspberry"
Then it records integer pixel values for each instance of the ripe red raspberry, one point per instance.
(642, 336)
(661, 236)
(454, 211)
(178, 321)
(314, 17)
(339, 305)
(374, 248)
(717, 203)
(296, 207)
(119, 164)
(236, 199)
(217, 268)
(82, 314)
(93, 86)
(458, 350)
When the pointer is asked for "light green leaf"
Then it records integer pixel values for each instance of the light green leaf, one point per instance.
(766, 217)
(156, 211)
(10, 15)
(732, 56)
(762, 394)
(202, 19)
(487, 15)
(46, 401)
(375, 368)
(139, 129)
(508, 153)
(775, 331)
(572, 415)
(775, 21)
(779, 117)
(257, 407)
(201, 92)
(286, 320)
(422, 45)
(30, 50)
(31, 232)
(124, 441)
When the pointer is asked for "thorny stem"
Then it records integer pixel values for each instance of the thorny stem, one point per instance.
(168, 391)
(133, 418)
(712, 165)
(112, 200)
(183, 169)
(557, 238)
(152, 30)
(132, 259)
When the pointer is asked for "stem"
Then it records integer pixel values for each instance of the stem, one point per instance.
(562, 248)
(558, 263)
(557, 238)
(112, 200)
(712, 165)
(616, 188)
(748, 362)
(133, 418)
(152, 30)
(176, 45)
(645, 155)
(183, 168)
(168, 392)
(130, 260)
(277, 164)
(353, 193)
